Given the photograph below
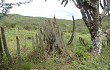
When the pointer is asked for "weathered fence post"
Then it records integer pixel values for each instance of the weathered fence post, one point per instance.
(5, 46)
(36, 40)
(19, 56)
(1, 54)
(33, 43)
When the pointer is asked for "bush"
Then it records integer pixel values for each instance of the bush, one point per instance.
(26, 66)
(27, 27)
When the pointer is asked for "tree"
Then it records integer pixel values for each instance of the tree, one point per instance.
(92, 18)
(5, 7)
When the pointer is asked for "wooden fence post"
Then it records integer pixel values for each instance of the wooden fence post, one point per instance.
(36, 41)
(19, 56)
(5, 46)
(1, 54)
(33, 43)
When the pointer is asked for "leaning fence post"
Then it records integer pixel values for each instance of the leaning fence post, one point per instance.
(5, 46)
(1, 54)
(19, 56)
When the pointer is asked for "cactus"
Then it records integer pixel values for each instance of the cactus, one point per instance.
(108, 42)
(104, 43)
(5, 46)
(40, 37)
(49, 36)
(40, 42)
(74, 41)
(72, 36)
(82, 41)
(108, 36)
(19, 56)
(53, 38)
(50, 39)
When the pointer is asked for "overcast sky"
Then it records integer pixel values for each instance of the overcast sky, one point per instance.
(40, 8)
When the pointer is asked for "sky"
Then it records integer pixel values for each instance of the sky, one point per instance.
(40, 8)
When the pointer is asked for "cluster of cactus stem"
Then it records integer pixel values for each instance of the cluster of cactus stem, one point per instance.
(50, 37)
(108, 36)
(48, 40)
(82, 41)
(104, 42)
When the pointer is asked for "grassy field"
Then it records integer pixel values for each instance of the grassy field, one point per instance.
(26, 27)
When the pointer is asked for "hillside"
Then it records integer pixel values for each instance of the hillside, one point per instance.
(13, 19)
(32, 22)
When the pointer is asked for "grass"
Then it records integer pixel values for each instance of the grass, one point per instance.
(82, 58)
(82, 61)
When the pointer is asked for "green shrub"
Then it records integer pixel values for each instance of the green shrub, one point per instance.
(27, 27)
(26, 66)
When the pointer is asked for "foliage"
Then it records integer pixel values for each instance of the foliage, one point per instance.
(5, 7)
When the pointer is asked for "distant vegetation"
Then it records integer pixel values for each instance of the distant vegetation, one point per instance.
(30, 22)
(25, 21)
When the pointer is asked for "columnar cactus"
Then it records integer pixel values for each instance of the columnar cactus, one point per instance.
(53, 38)
(72, 36)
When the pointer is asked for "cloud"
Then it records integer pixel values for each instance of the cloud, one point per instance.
(46, 9)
